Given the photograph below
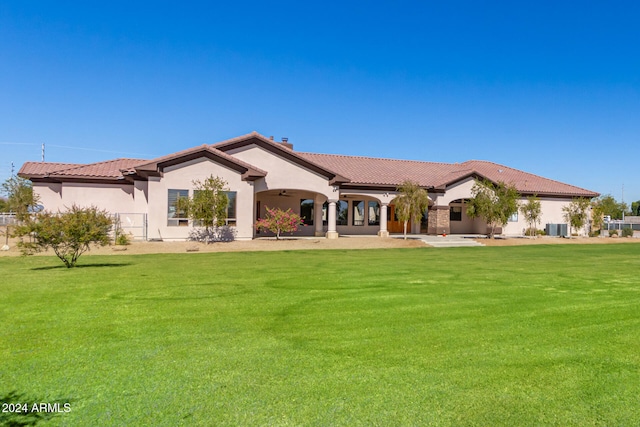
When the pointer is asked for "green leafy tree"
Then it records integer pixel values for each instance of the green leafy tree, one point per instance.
(597, 215)
(69, 233)
(411, 203)
(635, 208)
(532, 211)
(608, 205)
(206, 208)
(20, 196)
(576, 213)
(4, 205)
(278, 221)
(493, 202)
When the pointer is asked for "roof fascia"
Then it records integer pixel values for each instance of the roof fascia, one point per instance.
(157, 168)
(279, 150)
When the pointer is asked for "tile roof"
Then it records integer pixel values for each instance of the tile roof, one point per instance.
(357, 170)
(39, 169)
(207, 150)
(109, 169)
(526, 183)
(390, 172)
(377, 171)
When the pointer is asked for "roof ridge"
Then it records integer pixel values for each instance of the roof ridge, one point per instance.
(378, 158)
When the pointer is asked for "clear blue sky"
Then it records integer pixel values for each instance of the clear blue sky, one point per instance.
(552, 88)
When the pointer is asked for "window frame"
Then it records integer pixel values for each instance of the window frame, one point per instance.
(172, 219)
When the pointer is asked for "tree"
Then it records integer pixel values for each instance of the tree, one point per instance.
(278, 221)
(495, 203)
(207, 207)
(576, 213)
(532, 210)
(4, 205)
(597, 215)
(20, 196)
(635, 208)
(69, 233)
(607, 205)
(411, 203)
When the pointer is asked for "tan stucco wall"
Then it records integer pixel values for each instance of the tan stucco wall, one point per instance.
(111, 197)
(50, 195)
(181, 177)
(282, 173)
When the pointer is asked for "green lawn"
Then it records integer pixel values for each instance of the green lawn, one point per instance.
(513, 336)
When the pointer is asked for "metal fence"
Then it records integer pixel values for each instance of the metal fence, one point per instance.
(134, 224)
(7, 219)
(620, 225)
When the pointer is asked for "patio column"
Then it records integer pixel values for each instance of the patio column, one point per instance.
(331, 229)
(383, 220)
(317, 215)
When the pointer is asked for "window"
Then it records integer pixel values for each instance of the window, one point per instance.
(455, 213)
(231, 208)
(342, 212)
(325, 213)
(513, 217)
(374, 213)
(358, 212)
(306, 211)
(176, 212)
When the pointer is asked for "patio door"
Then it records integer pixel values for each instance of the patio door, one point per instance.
(393, 225)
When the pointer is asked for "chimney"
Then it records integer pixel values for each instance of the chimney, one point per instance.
(271, 138)
(285, 142)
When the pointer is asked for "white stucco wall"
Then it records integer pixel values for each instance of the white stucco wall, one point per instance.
(181, 177)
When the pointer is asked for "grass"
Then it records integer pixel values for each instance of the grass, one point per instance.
(527, 336)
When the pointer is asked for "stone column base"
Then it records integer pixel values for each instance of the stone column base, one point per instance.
(332, 235)
(384, 233)
(319, 234)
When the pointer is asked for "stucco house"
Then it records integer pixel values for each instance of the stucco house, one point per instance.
(335, 194)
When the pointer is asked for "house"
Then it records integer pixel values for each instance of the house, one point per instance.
(334, 194)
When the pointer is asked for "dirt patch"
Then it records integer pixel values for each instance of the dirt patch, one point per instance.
(304, 243)
(239, 246)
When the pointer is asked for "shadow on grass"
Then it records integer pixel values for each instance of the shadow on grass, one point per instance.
(100, 265)
(19, 410)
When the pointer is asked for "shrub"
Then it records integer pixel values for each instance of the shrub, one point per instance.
(278, 221)
(613, 233)
(532, 231)
(68, 233)
(123, 239)
(627, 232)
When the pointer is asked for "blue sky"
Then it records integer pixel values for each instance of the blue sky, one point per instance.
(552, 88)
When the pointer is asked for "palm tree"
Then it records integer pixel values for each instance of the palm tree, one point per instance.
(411, 203)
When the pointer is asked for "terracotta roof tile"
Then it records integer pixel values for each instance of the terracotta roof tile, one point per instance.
(376, 171)
(107, 169)
(525, 182)
(39, 169)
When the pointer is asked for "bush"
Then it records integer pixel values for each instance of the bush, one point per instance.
(212, 235)
(123, 239)
(613, 233)
(627, 232)
(534, 231)
(278, 221)
(68, 233)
